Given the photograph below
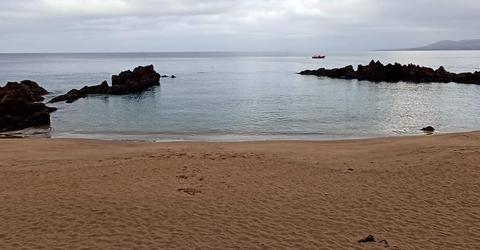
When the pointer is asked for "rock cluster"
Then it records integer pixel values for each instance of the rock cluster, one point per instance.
(21, 107)
(127, 82)
(377, 72)
(21, 103)
(165, 76)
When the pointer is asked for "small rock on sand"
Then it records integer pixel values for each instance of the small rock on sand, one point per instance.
(369, 238)
(428, 129)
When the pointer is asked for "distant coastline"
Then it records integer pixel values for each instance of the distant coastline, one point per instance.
(446, 45)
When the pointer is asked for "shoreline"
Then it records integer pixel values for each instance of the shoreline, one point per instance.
(155, 137)
(414, 192)
(233, 142)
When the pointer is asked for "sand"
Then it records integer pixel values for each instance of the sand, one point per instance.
(414, 192)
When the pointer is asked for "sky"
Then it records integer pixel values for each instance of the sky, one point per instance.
(228, 25)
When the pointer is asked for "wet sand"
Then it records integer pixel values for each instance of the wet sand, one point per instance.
(413, 192)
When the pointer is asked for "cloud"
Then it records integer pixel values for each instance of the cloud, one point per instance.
(165, 25)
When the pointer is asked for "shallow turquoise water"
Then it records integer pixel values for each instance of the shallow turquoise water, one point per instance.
(248, 96)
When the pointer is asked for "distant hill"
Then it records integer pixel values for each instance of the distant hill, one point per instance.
(451, 45)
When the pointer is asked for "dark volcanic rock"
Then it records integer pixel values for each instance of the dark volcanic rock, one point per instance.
(69, 97)
(429, 129)
(100, 89)
(377, 72)
(369, 238)
(138, 80)
(75, 94)
(20, 107)
(30, 91)
(34, 87)
(127, 82)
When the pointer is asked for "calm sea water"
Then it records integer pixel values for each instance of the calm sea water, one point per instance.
(249, 96)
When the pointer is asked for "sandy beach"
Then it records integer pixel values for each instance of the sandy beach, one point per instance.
(409, 193)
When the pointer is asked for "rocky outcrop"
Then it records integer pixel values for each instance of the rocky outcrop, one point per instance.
(377, 72)
(21, 107)
(127, 82)
(69, 97)
(27, 90)
(138, 80)
(34, 88)
(103, 88)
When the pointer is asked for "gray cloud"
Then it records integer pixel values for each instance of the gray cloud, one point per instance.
(180, 25)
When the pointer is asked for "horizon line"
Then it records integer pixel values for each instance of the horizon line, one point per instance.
(140, 52)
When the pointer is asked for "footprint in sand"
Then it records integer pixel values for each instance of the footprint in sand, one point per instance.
(190, 191)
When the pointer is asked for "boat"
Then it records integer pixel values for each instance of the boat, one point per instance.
(318, 57)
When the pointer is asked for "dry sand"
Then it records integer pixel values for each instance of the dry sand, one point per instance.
(414, 192)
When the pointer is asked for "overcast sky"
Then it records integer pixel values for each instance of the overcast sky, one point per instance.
(227, 25)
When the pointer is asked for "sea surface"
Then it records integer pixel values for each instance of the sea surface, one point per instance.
(250, 96)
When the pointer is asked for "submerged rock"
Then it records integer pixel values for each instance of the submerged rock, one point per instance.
(21, 107)
(127, 82)
(377, 72)
(69, 97)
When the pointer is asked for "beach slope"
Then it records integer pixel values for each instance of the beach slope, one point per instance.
(409, 193)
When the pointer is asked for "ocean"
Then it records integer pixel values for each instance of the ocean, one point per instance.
(250, 96)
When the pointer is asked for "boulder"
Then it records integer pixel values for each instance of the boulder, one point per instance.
(25, 92)
(428, 129)
(140, 76)
(369, 238)
(20, 106)
(34, 87)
